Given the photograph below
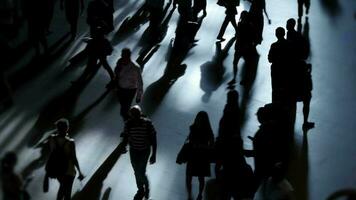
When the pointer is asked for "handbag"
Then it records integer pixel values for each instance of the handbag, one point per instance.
(183, 155)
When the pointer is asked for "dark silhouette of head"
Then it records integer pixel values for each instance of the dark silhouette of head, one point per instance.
(201, 127)
(291, 24)
(277, 172)
(126, 55)
(62, 126)
(99, 32)
(135, 112)
(244, 16)
(280, 33)
(9, 161)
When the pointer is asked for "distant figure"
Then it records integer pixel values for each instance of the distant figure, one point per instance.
(36, 13)
(278, 55)
(72, 8)
(233, 173)
(201, 141)
(129, 81)
(198, 6)
(62, 161)
(49, 15)
(258, 7)
(98, 49)
(245, 40)
(155, 8)
(230, 12)
(140, 134)
(13, 187)
(302, 80)
(275, 187)
(301, 5)
(100, 13)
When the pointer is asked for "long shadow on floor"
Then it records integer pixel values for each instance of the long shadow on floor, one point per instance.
(92, 189)
(178, 51)
(212, 72)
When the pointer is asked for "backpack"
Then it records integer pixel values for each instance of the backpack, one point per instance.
(57, 163)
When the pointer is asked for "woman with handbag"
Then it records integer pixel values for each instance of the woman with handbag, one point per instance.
(198, 152)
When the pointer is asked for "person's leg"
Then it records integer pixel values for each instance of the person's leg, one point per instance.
(223, 28)
(188, 184)
(68, 184)
(307, 6)
(135, 162)
(60, 193)
(201, 187)
(125, 98)
(233, 22)
(306, 109)
(300, 8)
(237, 58)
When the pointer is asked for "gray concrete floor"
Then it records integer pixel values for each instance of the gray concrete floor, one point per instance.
(324, 160)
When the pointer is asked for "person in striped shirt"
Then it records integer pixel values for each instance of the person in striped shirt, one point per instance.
(139, 133)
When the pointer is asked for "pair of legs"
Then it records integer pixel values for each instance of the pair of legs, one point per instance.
(189, 179)
(126, 97)
(139, 160)
(306, 108)
(93, 66)
(65, 187)
(230, 18)
(301, 4)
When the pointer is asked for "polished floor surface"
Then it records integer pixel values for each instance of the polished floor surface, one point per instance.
(324, 159)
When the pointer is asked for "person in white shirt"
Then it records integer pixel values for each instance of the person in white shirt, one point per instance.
(129, 81)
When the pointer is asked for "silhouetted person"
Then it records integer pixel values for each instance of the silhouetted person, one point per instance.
(140, 134)
(98, 49)
(100, 13)
(62, 162)
(232, 171)
(72, 9)
(275, 187)
(258, 7)
(198, 6)
(49, 16)
(13, 186)
(36, 13)
(245, 40)
(129, 81)
(278, 55)
(201, 141)
(230, 12)
(184, 9)
(155, 8)
(302, 80)
(301, 5)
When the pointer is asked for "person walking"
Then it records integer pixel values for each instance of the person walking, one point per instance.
(129, 81)
(62, 162)
(72, 8)
(140, 134)
(201, 142)
(230, 12)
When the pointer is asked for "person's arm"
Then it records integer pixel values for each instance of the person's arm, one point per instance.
(153, 144)
(271, 54)
(139, 86)
(125, 138)
(265, 11)
(75, 160)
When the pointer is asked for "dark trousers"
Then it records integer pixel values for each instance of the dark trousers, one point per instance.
(228, 18)
(139, 159)
(126, 97)
(65, 187)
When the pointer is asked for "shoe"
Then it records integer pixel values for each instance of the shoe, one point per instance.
(139, 195)
(147, 193)
(221, 39)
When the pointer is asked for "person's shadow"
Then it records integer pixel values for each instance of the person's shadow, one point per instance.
(331, 7)
(212, 72)
(92, 189)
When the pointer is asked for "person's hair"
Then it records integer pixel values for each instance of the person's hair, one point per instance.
(126, 52)
(135, 112)
(62, 125)
(201, 128)
(280, 32)
(244, 15)
(290, 24)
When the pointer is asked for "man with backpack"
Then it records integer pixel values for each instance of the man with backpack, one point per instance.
(62, 161)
